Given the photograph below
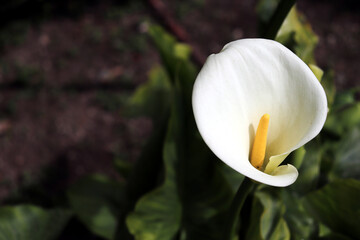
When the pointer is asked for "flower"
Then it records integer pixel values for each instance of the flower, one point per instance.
(248, 79)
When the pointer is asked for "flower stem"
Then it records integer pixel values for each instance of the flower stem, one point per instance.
(278, 18)
(245, 188)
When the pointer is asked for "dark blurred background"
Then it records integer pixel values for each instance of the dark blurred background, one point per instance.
(67, 68)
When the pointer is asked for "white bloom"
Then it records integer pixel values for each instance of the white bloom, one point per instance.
(236, 87)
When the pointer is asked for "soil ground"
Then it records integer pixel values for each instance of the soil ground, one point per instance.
(64, 80)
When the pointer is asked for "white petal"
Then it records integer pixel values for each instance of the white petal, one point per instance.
(247, 79)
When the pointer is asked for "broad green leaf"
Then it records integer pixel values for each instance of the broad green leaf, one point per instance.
(271, 217)
(296, 34)
(152, 98)
(343, 120)
(309, 171)
(271, 15)
(123, 167)
(157, 215)
(28, 222)
(146, 171)
(347, 158)
(97, 201)
(337, 206)
(279, 214)
(182, 51)
(297, 157)
(267, 221)
(345, 98)
(281, 231)
(176, 59)
(233, 178)
(166, 45)
(205, 193)
(253, 230)
(173, 54)
(144, 175)
(206, 198)
(300, 223)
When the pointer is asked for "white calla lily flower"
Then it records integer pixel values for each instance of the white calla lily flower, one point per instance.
(248, 79)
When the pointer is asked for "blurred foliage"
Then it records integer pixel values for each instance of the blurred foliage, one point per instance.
(27, 222)
(337, 206)
(157, 215)
(346, 163)
(267, 220)
(295, 32)
(152, 99)
(97, 201)
(297, 35)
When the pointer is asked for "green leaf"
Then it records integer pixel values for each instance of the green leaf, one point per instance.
(298, 157)
(204, 192)
(296, 34)
(309, 171)
(271, 216)
(152, 98)
(325, 233)
(182, 51)
(300, 223)
(337, 206)
(343, 120)
(144, 175)
(146, 170)
(123, 167)
(272, 14)
(267, 221)
(345, 98)
(157, 215)
(176, 59)
(97, 201)
(347, 157)
(172, 53)
(233, 177)
(279, 214)
(253, 230)
(28, 222)
(206, 197)
(281, 231)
